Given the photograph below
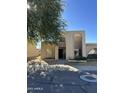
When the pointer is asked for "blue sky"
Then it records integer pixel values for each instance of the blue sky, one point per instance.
(82, 15)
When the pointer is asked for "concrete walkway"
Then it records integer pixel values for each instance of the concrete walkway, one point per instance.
(88, 68)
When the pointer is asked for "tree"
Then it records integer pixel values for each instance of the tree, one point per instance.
(44, 21)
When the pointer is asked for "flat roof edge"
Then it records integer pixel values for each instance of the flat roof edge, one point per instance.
(91, 43)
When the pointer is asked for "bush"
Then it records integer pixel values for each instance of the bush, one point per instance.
(92, 56)
(80, 58)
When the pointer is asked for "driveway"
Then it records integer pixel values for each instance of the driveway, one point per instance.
(61, 81)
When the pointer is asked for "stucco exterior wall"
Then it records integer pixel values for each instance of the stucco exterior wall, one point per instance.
(90, 46)
(56, 53)
(83, 45)
(69, 45)
(77, 40)
(31, 50)
(48, 51)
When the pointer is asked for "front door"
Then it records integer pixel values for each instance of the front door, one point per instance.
(62, 53)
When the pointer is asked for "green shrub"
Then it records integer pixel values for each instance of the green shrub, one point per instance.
(80, 58)
(92, 56)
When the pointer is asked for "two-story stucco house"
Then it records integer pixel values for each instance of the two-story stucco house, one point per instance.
(71, 45)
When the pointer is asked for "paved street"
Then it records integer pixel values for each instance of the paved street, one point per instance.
(60, 82)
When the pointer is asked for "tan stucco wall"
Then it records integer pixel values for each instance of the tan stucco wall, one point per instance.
(90, 46)
(56, 53)
(48, 50)
(77, 40)
(69, 45)
(31, 50)
(83, 45)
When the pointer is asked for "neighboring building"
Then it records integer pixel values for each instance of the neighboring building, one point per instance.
(71, 45)
(91, 48)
